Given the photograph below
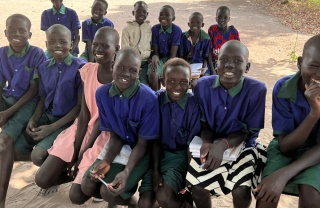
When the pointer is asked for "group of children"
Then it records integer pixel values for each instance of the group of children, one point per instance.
(103, 129)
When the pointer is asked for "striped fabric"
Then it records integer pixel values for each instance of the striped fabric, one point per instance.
(245, 171)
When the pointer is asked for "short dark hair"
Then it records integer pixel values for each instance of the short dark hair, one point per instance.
(102, 1)
(140, 3)
(111, 31)
(223, 8)
(19, 16)
(58, 27)
(196, 14)
(169, 7)
(313, 41)
(129, 50)
(175, 62)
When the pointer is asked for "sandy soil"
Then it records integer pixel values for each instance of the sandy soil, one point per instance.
(270, 44)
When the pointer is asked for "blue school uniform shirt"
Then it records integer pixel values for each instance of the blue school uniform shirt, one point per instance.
(90, 28)
(180, 121)
(18, 69)
(290, 108)
(60, 84)
(240, 108)
(201, 48)
(164, 39)
(65, 16)
(133, 114)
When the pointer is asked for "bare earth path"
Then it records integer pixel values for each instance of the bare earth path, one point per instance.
(269, 42)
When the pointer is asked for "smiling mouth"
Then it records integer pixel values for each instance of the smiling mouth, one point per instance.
(176, 93)
(228, 74)
(315, 81)
(16, 40)
(99, 56)
(124, 80)
(58, 52)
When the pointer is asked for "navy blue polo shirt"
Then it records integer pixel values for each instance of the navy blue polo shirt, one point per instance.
(60, 84)
(227, 111)
(18, 69)
(65, 16)
(132, 115)
(180, 121)
(165, 39)
(290, 108)
(201, 48)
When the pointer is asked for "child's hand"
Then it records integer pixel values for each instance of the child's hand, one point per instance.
(154, 63)
(312, 94)
(119, 183)
(271, 187)
(100, 169)
(203, 71)
(31, 127)
(41, 132)
(157, 180)
(211, 154)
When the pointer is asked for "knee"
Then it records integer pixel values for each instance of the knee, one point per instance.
(199, 193)
(41, 179)
(6, 143)
(88, 187)
(76, 195)
(39, 155)
(308, 196)
(241, 193)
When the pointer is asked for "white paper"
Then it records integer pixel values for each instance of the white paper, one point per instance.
(230, 154)
(121, 158)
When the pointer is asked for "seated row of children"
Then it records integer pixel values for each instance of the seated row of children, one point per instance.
(121, 113)
(165, 39)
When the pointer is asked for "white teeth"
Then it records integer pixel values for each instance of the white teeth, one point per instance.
(124, 80)
(228, 73)
(315, 81)
(15, 40)
(163, 21)
(99, 56)
(195, 28)
(57, 52)
(176, 93)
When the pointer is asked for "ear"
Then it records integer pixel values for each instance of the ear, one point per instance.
(173, 18)
(133, 13)
(189, 24)
(163, 82)
(5, 33)
(112, 65)
(30, 35)
(202, 25)
(71, 44)
(228, 19)
(46, 44)
(247, 67)
(117, 48)
(299, 62)
(105, 12)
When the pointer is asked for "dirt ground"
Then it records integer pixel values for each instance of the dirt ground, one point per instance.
(269, 41)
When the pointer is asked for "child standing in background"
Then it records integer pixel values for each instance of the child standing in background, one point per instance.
(91, 25)
(137, 34)
(60, 89)
(59, 14)
(130, 111)
(69, 149)
(166, 38)
(195, 45)
(18, 89)
(180, 122)
(221, 33)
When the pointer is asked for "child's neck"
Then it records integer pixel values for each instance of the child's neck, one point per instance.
(195, 33)
(17, 49)
(165, 28)
(94, 21)
(224, 29)
(104, 74)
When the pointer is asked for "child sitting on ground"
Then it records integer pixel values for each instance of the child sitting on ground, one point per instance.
(195, 45)
(166, 38)
(59, 14)
(69, 147)
(18, 89)
(137, 34)
(233, 109)
(130, 111)
(91, 25)
(60, 90)
(293, 155)
(220, 33)
(180, 122)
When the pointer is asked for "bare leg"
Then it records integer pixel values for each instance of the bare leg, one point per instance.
(90, 188)
(76, 195)
(147, 199)
(39, 155)
(167, 198)
(309, 197)
(110, 198)
(201, 197)
(6, 164)
(153, 80)
(241, 197)
(263, 204)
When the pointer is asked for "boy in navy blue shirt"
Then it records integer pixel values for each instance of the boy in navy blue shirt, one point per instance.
(233, 109)
(293, 155)
(195, 45)
(130, 111)
(60, 90)
(165, 43)
(180, 122)
(91, 25)
(59, 14)
(17, 102)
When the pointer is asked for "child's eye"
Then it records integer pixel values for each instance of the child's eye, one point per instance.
(133, 70)
(238, 61)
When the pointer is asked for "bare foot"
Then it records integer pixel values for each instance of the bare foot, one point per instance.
(49, 191)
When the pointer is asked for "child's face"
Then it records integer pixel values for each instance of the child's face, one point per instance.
(57, 3)
(125, 71)
(140, 13)
(309, 65)
(98, 10)
(17, 33)
(222, 18)
(104, 47)
(177, 81)
(59, 44)
(195, 23)
(232, 64)
(166, 17)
